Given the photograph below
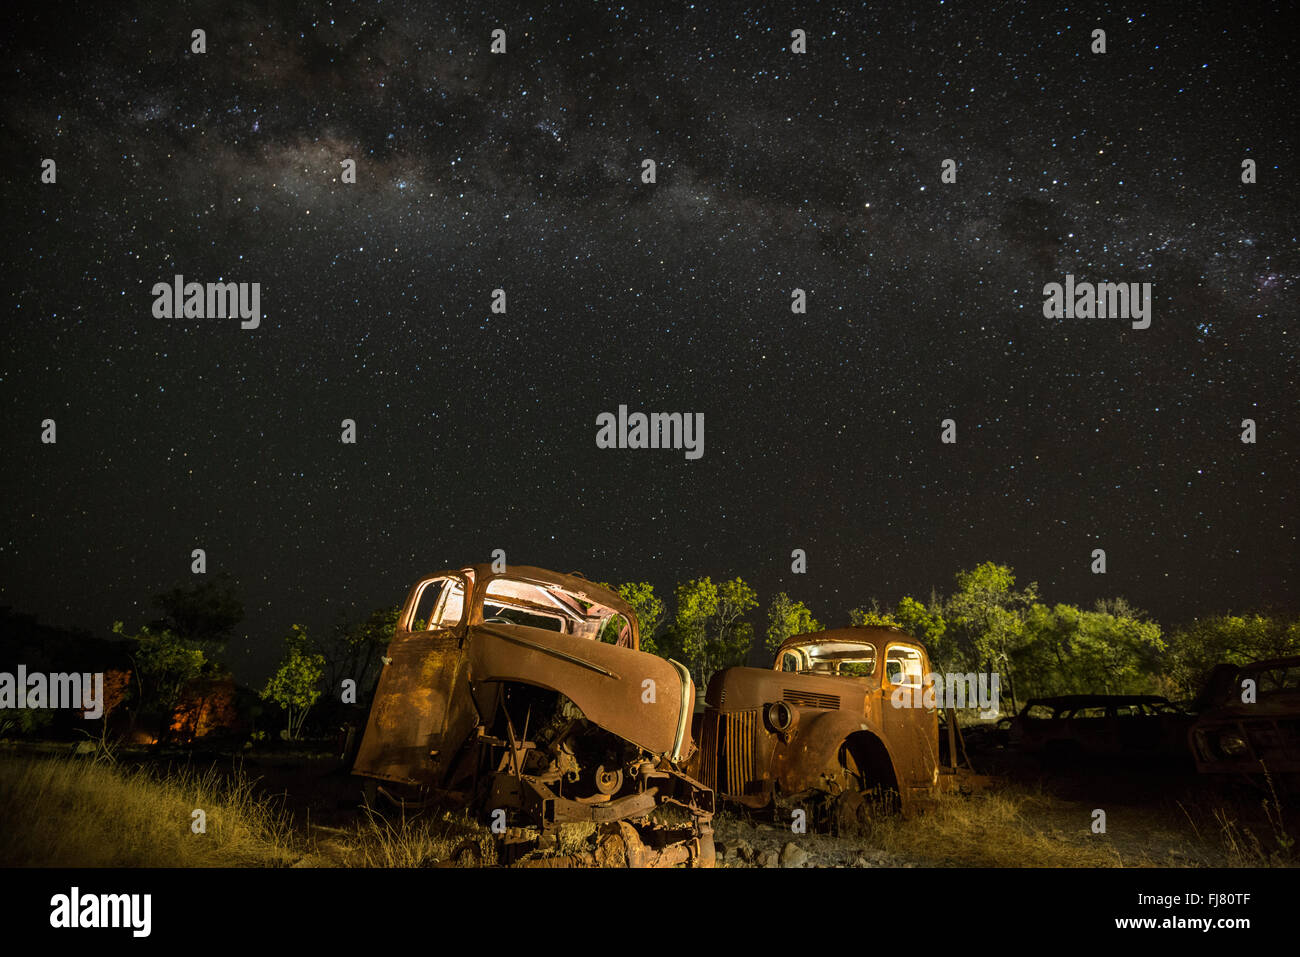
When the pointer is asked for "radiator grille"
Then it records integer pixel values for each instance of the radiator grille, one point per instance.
(811, 699)
(727, 746)
(738, 746)
(709, 750)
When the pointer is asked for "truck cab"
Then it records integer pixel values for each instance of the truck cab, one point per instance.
(524, 693)
(822, 721)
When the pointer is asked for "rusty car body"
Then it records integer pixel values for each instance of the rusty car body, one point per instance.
(1251, 737)
(820, 724)
(1068, 727)
(523, 694)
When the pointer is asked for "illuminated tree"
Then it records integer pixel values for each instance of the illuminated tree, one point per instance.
(787, 618)
(295, 686)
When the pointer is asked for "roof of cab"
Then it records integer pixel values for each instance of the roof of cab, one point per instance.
(573, 582)
(872, 634)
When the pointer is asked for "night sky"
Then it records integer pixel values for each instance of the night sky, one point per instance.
(521, 171)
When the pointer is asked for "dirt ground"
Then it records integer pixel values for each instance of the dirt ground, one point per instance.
(742, 841)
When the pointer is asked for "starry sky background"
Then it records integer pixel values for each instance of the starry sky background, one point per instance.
(476, 431)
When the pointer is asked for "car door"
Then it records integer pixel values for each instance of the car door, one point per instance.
(421, 707)
(911, 731)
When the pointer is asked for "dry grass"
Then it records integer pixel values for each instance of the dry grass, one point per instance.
(1019, 826)
(1265, 843)
(79, 812)
(88, 811)
(393, 839)
(1010, 827)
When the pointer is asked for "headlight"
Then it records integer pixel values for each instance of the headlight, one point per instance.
(1231, 744)
(781, 716)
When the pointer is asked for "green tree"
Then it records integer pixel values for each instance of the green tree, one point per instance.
(647, 607)
(1235, 639)
(355, 650)
(1114, 649)
(787, 618)
(1118, 648)
(922, 621)
(205, 612)
(295, 686)
(986, 617)
(873, 617)
(709, 631)
(164, 663)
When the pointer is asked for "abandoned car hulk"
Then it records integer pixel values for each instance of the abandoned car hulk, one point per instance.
(820, 726)
(1068, 728)
(1250, 725)
(524, 695)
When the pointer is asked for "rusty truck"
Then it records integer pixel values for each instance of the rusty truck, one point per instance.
(523, 694)
(820, 726)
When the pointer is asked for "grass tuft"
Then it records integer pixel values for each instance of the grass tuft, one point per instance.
(78, 812)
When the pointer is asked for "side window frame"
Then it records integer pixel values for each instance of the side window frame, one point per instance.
(408, 619)
(920, 679)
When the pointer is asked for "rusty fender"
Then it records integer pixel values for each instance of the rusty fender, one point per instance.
(800, 759)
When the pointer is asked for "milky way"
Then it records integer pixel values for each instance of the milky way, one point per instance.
(521, 171)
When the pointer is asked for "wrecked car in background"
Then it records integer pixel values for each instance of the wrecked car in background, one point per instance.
(819, 726)
(524, 695)
(1251, 724)
(1101, 725)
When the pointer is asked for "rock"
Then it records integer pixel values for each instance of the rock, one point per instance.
(861, 861)
(744, 850)
(768, 858)
(793, 856)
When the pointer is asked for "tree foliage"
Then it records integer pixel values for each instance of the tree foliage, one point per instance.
(295, 686)
(709, 630)
(787, 618)
(1067, 650)
(205, 612)
(986, 624)
(986, 618)
(164, 663)
(927, 624)
(1235, 639)
(873, 617)
(355, 649)
(647, 607)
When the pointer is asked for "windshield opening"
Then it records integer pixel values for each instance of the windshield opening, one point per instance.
(846, 659)
(552, 608)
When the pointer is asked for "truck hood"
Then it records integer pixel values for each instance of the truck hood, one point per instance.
(633, 694)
